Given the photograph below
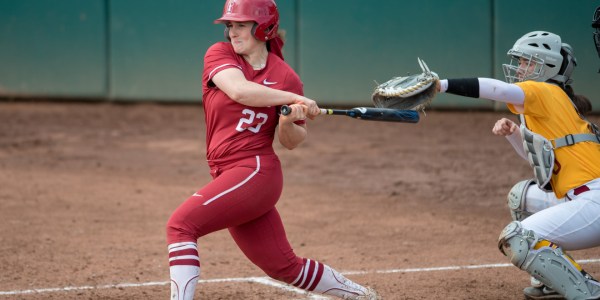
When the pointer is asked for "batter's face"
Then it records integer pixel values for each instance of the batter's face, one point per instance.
(242, 40)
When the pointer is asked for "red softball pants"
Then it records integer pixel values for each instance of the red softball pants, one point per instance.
(241, 197)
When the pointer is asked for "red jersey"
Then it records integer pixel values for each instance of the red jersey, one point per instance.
(234, 130)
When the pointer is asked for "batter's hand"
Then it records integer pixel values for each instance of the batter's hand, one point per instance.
(311, 109)
(297, 113)
(504, 127)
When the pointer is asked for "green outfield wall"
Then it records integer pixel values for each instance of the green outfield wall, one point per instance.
(152, 50)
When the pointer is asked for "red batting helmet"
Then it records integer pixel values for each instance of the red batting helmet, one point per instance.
(263, 12)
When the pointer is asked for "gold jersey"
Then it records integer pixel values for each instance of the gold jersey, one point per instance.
(549, 112)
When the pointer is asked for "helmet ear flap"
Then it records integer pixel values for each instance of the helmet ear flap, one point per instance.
(226, 32)
(263, 32)
(568, 64)
(254, 29)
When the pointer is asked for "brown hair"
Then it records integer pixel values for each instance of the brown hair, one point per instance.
(583, 104)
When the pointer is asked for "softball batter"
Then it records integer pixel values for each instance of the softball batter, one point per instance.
(564, 150)
(244, 82)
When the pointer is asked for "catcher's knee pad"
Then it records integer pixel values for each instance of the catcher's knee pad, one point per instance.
(515, 242)
(546, 262)
(517, 200)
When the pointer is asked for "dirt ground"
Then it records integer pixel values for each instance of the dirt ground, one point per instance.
(413, 210)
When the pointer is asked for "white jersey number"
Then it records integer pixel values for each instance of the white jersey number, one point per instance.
(252, 121)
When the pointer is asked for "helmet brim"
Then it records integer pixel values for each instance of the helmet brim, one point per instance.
(232, 19)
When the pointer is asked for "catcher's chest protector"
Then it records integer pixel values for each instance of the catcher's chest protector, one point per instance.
(540, 156)
(540, 151)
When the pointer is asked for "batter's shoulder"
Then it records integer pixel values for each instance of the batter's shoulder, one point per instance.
(282, 65)
(220, 48)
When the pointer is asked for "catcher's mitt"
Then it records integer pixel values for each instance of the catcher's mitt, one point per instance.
(412, 92)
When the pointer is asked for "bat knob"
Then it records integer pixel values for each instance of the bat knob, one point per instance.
(285, 110)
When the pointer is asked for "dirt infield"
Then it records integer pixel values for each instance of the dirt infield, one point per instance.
(413, 210)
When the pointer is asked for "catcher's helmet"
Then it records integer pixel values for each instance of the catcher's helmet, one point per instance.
(553, 60)
(568, 64)
(263, 12)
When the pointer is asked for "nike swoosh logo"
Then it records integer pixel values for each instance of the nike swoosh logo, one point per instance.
(265, 82)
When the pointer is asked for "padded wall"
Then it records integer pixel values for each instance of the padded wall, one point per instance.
(152, 50)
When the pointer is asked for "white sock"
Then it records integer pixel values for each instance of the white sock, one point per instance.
(331, 282)
(184, 266)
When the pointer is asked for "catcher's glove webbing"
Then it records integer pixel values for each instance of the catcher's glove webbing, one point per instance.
(412, 92)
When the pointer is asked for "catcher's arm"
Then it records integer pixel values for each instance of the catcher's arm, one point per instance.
(486, 88)
(415, 92)
(510, 130)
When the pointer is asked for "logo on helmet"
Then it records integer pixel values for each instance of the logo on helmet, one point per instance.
(230, 5)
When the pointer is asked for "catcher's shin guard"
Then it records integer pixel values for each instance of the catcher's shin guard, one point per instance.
(546, 262)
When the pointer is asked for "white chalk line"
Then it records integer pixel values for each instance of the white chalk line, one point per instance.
(263, 280)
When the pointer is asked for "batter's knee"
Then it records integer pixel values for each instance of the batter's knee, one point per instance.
(178, 232)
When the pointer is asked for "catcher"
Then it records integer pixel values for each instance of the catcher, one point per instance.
(563, 148)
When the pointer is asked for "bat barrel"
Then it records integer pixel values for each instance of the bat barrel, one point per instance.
(384, 114)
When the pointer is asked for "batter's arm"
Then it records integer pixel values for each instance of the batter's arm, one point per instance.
(233, 83)
(289, 133)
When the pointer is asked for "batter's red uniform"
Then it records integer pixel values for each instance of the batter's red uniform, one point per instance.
(247, 176)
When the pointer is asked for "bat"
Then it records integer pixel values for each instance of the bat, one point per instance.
(369, 113)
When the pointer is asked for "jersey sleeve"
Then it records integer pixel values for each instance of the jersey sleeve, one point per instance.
(218, 57)
(535, 93)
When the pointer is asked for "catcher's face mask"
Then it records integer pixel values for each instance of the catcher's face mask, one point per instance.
(522, 67)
